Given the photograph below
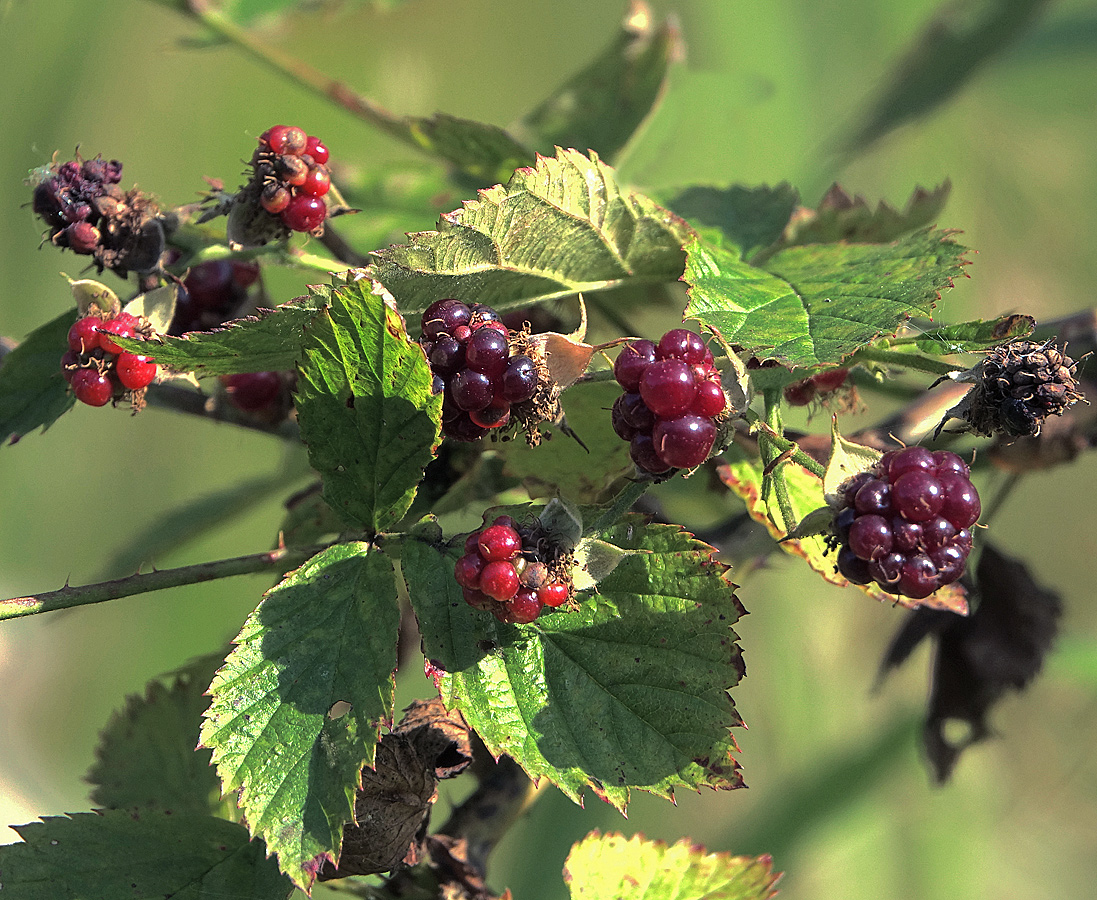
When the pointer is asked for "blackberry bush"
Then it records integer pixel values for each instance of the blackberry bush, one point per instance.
(583, 637)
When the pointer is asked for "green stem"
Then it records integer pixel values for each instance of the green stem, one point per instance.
(69, 597)
(905, 361)
(303, 73)
(622, 503)
(768, 445)
(799, 457)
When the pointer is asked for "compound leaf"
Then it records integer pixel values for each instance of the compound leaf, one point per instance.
(366, 409)
(561, 227)
(602, 106)
(630, 690)
(326, 634)
(146, 758)
(613, 867)
(121, 855)
(816, 304)
(33, 393)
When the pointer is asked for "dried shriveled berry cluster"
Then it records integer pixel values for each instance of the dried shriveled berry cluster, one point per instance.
(906, 523)
(513, 572)
(87, 212)
(819, 385)
(291, 169)
(213, 293)
(673, 397)
(1017, 386)
(489, 382)
(98, 369)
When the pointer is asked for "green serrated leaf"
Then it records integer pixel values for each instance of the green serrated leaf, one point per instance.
(484, 153)
(968, 337)
(366, 409)
(33, 393)
(603, 105)
(748, 219)
(817, 304)
(326, 634)
(561, 227)
(629, 691)
(613, 867)
(269, 342)
(118, 855)
(146, 758)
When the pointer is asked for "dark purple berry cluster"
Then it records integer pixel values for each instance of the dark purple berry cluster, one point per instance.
(673, 394)
(905, 524)
(97, 368)
(469, 350)
(293, 176)
(212, 294)
(504, 572)
(87, 212)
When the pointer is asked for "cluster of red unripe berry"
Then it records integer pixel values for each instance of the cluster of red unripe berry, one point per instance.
(905, 524)
(802, 392)
(213, 293)
(291, 166)
(470, 357)
(503, 573)
(673, 394)
(99, 369)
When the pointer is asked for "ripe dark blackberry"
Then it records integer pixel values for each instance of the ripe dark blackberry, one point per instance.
(905, 523)
(213, 292)
(490, 376)
(97, 369)
(673, 400)
(513, 572)
(1016, 387)
(87, 212)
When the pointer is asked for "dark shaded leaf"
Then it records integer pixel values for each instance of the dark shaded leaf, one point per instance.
(749, 219)
(146, 758)
(601, 107)
(33, 392)
(967, 337)
(960, 38)
(117, 855)
(366, 409)
(1001, 645)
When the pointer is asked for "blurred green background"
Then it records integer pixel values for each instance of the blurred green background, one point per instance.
(838, 792)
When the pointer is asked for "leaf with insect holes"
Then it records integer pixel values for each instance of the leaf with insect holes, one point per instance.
(117, 854)
(815, 305)
(628, 692)
(33, 392)
(323, 639)
(560, 227)
(602, 106)
(146, 758)
(271, 341)
(614, 867)
(366, 408)
(743, 474)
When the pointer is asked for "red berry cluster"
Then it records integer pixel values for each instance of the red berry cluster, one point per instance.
(98, 369)
(503, 572)
(294, 177)
(673, 394)
(905, 524)
(469, 350)
(70, 201)
(212, 293)
(801, 393)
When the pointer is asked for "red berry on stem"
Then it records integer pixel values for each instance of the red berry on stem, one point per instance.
(123, 325)
(304, 213)
(317, 182)
(134, 371)
(467, 570)
(523, 609)
(286, 139)
(498, 542)
(684, 442)
(683, 344)
(499, 580)
(829, 380)
(709, 400)
(631, 363)
(316, 149)
(92, 387)
(668, 388)
(84, 334)
(553, 595)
